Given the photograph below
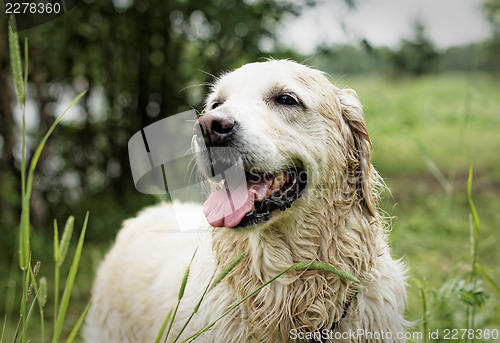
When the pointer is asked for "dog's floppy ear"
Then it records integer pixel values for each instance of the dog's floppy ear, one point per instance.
(362, 175)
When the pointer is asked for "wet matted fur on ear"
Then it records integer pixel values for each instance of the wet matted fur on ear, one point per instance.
(362, 175)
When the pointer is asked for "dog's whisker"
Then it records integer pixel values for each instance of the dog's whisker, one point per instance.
(204, 84)
(191, 168)
(207, 73)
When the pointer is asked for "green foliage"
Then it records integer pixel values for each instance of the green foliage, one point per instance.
(454, 118)
(350, 59)
(470, 293)
(414, 56)
(78, 324)
(465, 58)
(227, 269)
(15, 66)
(421, 284)
(42, 296)
(400, 63)
(163, 327)
(488, 278)
(417, 56)
(171, 319)
(62, 248)
(149, 60)
(63, 307)
(491, 9)
(306, 265)
(140, 61)
(29, 274)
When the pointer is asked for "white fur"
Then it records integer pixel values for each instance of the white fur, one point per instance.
(335, 221)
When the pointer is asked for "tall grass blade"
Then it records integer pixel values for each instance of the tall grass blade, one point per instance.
(24, 234)
(473, 301)
(38, 151)
(24, 229)
(181, 294)
(24, 298)
(56, 272)
(3, 328)
(300, 265)
(163, 327)
(488, 278)
(23, 336)
(42, 300)
(41, 297)
(24, 222)
(78, 324)
(18, 328)
(183, 284)
(423, 297)
(227, 269)
(216, 281)
(40, 147)
(30, 275)
(25, 69)
(56, 242)
(326, 268)
(15, 65)
(65, 240)
(433, 168)
(69, 283)
(43, 291)
(474, 230)
(477, 223)
(196, 308)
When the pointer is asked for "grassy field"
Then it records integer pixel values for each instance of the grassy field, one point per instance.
(425, 133)
(446, 122)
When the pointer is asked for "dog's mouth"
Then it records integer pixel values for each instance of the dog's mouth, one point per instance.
(256, 200)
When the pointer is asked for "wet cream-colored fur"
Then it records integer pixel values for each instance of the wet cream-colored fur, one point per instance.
(335, 221)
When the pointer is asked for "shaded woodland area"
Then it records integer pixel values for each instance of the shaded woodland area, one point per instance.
(140, 63)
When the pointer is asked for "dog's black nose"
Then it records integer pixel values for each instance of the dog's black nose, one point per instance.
(215, 129)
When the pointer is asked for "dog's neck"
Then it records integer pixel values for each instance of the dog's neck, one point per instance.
(310, 300)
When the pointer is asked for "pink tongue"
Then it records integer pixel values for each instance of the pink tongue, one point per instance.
(226, 208)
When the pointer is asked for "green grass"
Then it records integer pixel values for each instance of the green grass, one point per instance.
(431, 109)
(32, 290)
(455, 119)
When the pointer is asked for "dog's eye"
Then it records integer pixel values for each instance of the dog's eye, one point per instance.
(286, 99)
(215, 105)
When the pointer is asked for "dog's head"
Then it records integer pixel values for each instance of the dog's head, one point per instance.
(275, 135)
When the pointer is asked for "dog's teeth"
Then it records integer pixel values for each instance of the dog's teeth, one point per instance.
(279, 179)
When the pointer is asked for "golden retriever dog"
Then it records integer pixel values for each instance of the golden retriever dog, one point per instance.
(310, 195)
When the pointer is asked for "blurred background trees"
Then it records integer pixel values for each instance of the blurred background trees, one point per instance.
(492, 11)
(140, 61)
(418, 55)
